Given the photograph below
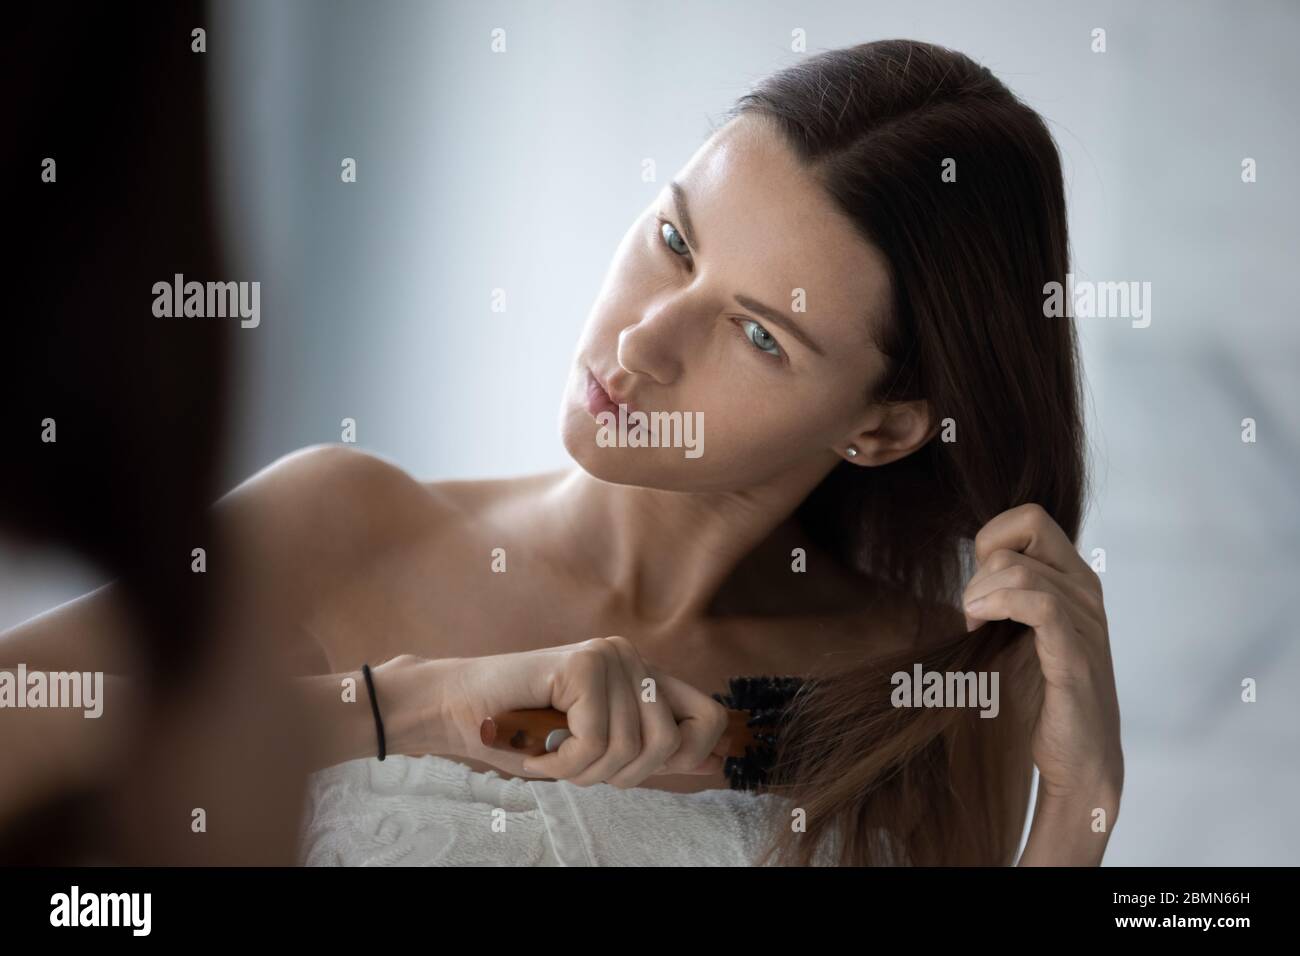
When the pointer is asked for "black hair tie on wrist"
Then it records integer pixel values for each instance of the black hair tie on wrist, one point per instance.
(374, 707)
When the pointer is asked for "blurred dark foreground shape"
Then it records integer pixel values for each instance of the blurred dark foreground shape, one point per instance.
(114, 94)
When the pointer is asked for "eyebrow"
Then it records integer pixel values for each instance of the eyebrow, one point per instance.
(779, 318)
(774, 316)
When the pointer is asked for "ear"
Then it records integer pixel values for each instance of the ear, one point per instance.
(890, 432)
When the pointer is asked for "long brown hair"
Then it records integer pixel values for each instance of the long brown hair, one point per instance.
(969, 254)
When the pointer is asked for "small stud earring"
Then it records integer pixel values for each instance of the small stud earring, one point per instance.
(851, 451)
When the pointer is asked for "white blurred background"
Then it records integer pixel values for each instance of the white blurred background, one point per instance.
(522, 170)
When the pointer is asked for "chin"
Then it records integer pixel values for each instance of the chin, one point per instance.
(667, 468)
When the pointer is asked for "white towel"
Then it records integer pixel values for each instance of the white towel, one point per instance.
(431, 811)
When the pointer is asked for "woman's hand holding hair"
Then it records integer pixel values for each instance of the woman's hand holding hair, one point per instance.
(1028, 571)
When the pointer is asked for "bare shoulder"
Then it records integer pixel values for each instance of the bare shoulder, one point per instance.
(341, 500)
(312, 517)
(332, 489)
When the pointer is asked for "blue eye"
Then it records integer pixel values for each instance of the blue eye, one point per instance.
(762, 340)
(665, 228)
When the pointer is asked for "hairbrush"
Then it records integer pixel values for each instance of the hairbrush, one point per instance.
(757, 708)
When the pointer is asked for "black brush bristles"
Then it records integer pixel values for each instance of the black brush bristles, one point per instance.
(767, 699)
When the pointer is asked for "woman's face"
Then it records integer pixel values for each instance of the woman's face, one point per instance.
(741, 299)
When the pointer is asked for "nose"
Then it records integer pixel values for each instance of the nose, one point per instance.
(658, 344)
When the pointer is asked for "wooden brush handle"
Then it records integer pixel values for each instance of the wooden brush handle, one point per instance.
(527, 732)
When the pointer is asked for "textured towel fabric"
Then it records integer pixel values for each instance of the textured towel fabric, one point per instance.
(431, 811)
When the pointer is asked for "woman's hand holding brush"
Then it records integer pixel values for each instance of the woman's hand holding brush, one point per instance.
(626, 720)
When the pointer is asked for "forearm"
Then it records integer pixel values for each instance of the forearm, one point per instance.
(48, 746)
(408, 692)
(1070, 831)
(92, 632)
(48, 749)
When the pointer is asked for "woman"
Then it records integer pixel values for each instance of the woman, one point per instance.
(845, 283)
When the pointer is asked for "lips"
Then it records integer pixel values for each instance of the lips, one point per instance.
(599, 399)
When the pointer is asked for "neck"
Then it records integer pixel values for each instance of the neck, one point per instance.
(666, 554)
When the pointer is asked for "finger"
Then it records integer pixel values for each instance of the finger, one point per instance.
(1020, 577)
(1004, 558)
(1060, 652)
(1028, 529)
(579, 690)
(624, 741)
(1083, 586)
(701, 722)
(659, 734)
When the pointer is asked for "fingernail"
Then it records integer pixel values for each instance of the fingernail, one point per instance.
(974, 605)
